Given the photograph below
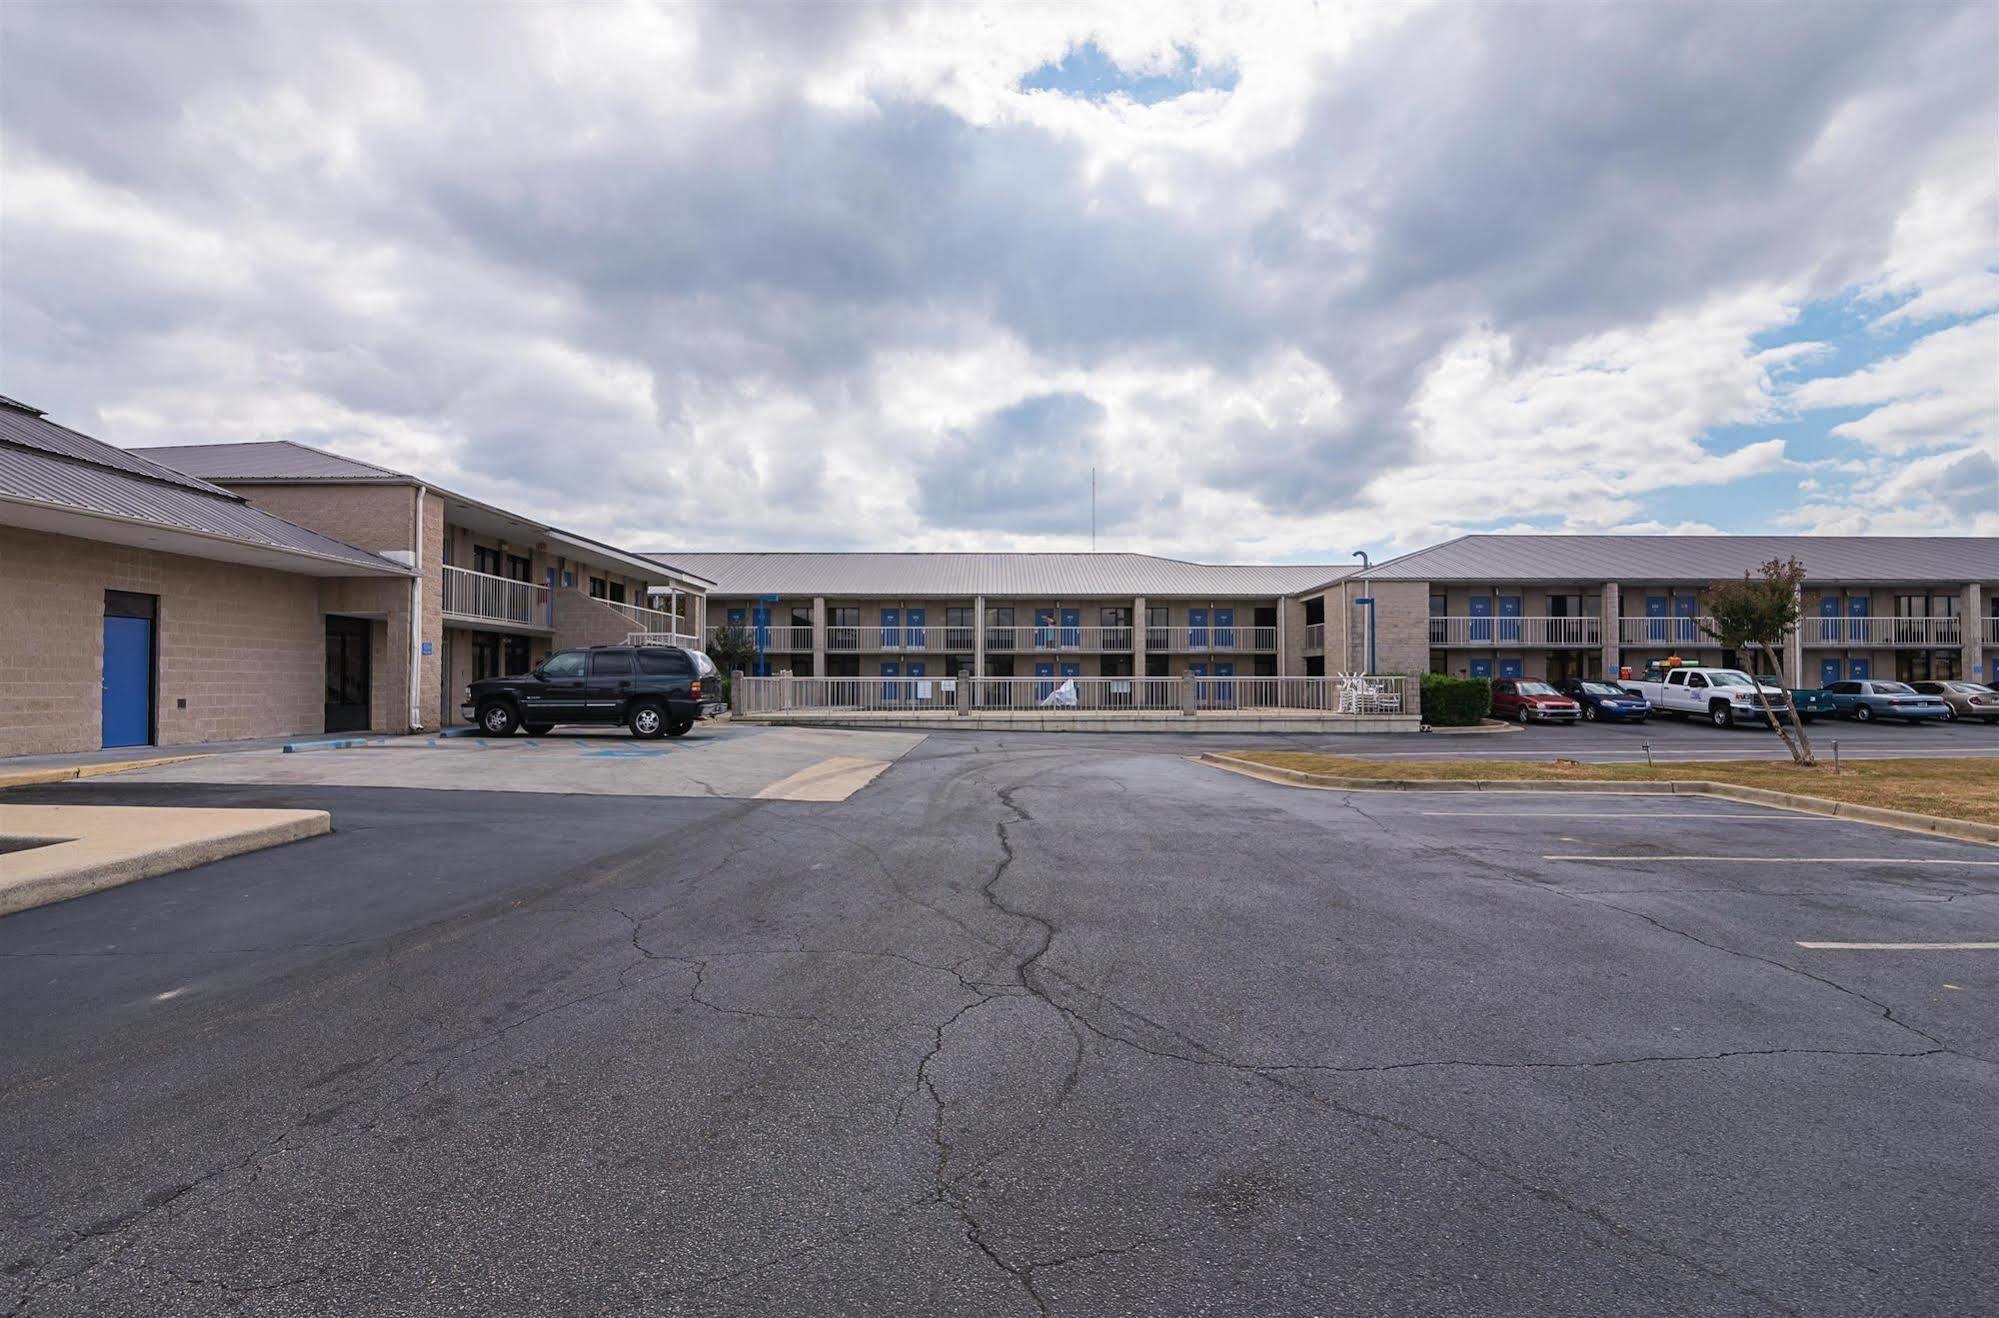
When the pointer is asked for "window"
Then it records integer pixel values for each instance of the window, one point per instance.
(599, 588)
(801, 617)
(518, 568)
(1157, 665)
(1117, 628)
(955, 664)
(485, 656)
(957, 629)
(1156, 638)
(567, 664)
(1696, 681)
(617, 592)
(1315, 611)
(1116, 665)
(569, 581)
(664, 663)
(843, 665)
(486, 560)
(515, 655)
(610, 663)
(845, 617)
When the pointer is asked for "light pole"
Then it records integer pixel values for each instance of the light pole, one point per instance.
(1367, 598)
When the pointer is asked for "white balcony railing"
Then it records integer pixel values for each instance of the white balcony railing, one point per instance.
(483, 597)
(1538, 632)
(1992, 630)
(1211, 639)
(1910, 633)
(654, 620)
(778, 640)
(1315, 636)
(683, 640)
(1684, 632)
(1158, 695)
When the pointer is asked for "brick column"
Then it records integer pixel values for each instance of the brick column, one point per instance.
(819, 636)
(978, 636)
(1138, 638)
(1608, 609)
(1971, 637)
(1290, 637)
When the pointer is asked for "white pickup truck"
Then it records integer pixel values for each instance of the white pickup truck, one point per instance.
(1723, 696)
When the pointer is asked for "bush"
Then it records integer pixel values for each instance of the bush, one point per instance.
(1455, 702)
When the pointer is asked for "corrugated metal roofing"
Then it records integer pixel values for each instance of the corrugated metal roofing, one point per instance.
(69, 470)
(1051, 576)
(270, 460)
(1694, 558)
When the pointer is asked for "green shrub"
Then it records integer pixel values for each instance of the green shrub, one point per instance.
(1455, 702)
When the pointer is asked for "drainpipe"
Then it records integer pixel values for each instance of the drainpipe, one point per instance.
(416, 621)
(1367, 598)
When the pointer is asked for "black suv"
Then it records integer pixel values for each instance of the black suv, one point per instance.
(655, 690)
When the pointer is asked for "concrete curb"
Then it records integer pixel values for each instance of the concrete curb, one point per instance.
(1961, 830)
(68, 772)
(1485, 728)
(88, 875)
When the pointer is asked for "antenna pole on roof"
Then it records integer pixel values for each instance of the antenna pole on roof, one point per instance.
(1093, 510)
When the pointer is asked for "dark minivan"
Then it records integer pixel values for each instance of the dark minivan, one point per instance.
(655, 690)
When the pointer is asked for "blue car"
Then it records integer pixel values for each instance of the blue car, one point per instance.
(1606, 700)
(1867, 701)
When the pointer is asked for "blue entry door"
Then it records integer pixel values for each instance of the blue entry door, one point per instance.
(914, 668)
(1509, 668)
(1225, 629)
(915, 629)
(1481, 668)
(1044, 629)
(1072, 630)
(1683, 612)
(1858, 608)
(889, 669)
(1197, 629)
(1829, 620)
(1045, 671)
(1860, 670)
(1828, 671)
(891, 629)
(1509, 620)
(1655, 618)
(1481, 617)
(1224, 690)
(128, 681)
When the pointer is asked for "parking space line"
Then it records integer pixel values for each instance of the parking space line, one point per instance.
(1796, 860)
(1899, 947)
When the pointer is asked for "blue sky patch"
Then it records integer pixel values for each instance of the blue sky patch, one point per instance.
(1086, 71)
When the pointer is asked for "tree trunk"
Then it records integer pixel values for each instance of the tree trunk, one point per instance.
(1801, 750)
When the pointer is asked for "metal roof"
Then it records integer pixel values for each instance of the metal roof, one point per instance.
(1691, 558)
(52, 467)
(1047, 576)
(281, 460)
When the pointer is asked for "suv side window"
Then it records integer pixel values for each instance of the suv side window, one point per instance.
(610, 663)
(663, 663)
(569, 664)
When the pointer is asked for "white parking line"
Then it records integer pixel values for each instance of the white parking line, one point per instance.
(1794, 860)
(1900, 947)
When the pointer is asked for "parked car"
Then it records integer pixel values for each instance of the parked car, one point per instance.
(1531, 702)
(1867, 701)
(655, 690)
(1966, 699)
(1601, 700)
(1809, 701)
(1723, 696)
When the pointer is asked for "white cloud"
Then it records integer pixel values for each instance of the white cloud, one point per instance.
(1942, 392)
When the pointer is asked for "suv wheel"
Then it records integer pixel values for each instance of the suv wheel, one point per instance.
(648, 722)
(679, 729)
(498, 719)
(536, 729)
(1723, 716)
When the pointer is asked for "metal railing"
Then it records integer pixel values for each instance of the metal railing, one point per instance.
(681, 639)
(1315, 636)
(1212, 640)
(1079, 639)
(1065, 695)
(1663, 631)
(1992, 631)
(1914, 633)
(777, 640)
(652, 620)
(1538, 631)
(486, 598)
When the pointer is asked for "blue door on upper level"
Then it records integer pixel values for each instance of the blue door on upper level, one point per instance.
(1858, 608)
(1225, 629)
(891, 629)
(1828, 671)
(1197, 629)
(1860, 670)
(1829, 620)
(915, 629)
(1655, 618)
(1509, 620)
(1072, 629)
(1683, 610)
(1481, 668)
(1509, 668)
(1044, 629)
(1481, 617)
(128, 681)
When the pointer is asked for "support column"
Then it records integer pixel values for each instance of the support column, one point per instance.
(1609, 607)
(1138, 640)
(1971, 636)
(819, 636)
(978, 636)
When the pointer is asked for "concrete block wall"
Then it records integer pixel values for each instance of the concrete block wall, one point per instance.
(243, 647)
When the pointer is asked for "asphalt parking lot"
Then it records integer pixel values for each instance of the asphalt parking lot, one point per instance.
(1045, 1028)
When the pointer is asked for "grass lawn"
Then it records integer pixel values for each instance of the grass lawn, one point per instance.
(1954, 789)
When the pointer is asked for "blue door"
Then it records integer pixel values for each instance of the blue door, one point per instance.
(1225, 629)
(128, 681)
(1072, 634)
(1828, 671)
(1829, 620)
(1860, 670)
(888, 688)
(1509, 620)
(1509, 668)
(910, 691)
(1857, 609)
(1046, 672)
(916, 629)
(1044, 629)
(1225, 691)
(1197, 629)
(1684, 629)
(1481, 617)
(1481, 668)
(1655, 617)
(891, 629)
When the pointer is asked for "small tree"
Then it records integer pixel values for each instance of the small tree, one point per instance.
(733, 648)
(1757, 614)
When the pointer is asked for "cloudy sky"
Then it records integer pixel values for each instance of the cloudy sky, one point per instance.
(1293, 280)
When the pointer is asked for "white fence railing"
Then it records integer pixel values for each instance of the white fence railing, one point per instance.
(487, 598)
(1061, 695)
(1537, 632)
(777, 640)
(680, 639)
(1916, 633)
(1992, 631)
(1082, 638)
(1663, 631)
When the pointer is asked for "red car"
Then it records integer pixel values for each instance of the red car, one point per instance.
(1532, 702)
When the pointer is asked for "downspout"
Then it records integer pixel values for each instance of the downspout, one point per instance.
(416, 620)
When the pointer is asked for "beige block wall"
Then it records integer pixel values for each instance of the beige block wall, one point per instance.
(243, 647)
